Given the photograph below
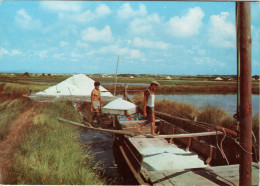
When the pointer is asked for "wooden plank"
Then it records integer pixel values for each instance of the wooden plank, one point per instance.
(188, 135)
(156, 178)
(219, 175)
(99, 129)
(135, 122)
(141, 143)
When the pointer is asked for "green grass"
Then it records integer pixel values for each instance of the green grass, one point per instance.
(52, 153)
(16, 90)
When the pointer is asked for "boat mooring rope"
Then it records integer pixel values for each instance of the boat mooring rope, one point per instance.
(237, 142)
(221, 146)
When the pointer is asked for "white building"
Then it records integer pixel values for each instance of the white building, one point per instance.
(218, 79)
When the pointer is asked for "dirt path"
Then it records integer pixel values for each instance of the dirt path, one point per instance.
(16, 134)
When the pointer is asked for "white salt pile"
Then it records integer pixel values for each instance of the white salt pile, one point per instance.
(77, 85)
(119, 106)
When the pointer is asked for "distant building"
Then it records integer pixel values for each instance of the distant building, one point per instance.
(218, 79)
(132, 77)
(168, 77)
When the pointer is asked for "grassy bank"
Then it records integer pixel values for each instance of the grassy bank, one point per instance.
(47, 151)
(15, 90)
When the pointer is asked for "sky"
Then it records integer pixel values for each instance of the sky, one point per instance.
(166, 37)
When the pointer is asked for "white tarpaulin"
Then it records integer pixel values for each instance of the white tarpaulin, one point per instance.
(170, 159)
(77, 85)
(120, 107)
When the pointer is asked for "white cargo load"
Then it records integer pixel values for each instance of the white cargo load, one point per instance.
(119, 107)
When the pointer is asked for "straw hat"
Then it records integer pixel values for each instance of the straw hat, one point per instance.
(155, 83)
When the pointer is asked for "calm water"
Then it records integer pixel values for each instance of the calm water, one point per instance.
(227, 102)
(123, 84)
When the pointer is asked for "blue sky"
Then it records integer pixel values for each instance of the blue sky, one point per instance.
(178, 38)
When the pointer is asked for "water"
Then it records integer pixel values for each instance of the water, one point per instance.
(227, 102)
(101, 146)
(123, 84)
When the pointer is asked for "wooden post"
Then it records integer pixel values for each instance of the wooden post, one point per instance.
(238, 69)
(116, 76)
(245, 115)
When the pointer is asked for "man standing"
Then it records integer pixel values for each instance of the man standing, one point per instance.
(149, 99)
(96, 103)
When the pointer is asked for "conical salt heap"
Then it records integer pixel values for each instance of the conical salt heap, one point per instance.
(77, 85)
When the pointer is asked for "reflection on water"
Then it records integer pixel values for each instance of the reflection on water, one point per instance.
(227, 102)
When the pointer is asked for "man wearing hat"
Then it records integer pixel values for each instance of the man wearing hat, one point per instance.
(149, 99)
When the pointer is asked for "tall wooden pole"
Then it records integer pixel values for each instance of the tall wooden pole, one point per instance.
(245, 116)
(238, 68)
(116, 76)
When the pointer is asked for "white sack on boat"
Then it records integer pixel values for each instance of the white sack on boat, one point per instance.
(77, 85)
(119, 106)
(170, 159)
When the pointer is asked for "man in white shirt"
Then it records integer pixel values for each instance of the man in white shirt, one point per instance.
(149, 99)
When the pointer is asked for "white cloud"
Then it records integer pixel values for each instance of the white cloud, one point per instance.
(221, 32)
(94, 35)
(75, 54)
(64, 44)
(187, 25)
(82, 44)
(208, 61)
(144, 25)
(189, 51)
(42, 53)
(86, 16)
(115, 49)
(15, 52)
(25, 21)
(3, 52)
(136, 54)
(83, 17)
(122, 51)
(65, 6)
(59, 56)
(143, 43)
(102, 10)
(126, 11)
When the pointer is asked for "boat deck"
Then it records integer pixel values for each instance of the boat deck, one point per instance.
(183, 167)
(164, 163)
(219, 175)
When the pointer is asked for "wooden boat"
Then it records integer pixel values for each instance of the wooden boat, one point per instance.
(184, 153)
